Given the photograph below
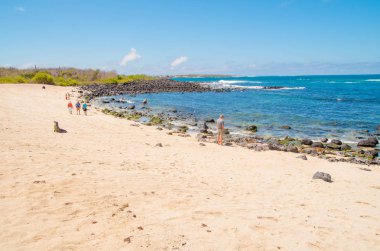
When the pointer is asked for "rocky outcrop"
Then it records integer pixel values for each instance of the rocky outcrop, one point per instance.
(143, 86)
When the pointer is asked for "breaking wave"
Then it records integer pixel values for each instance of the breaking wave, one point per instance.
(373, 80)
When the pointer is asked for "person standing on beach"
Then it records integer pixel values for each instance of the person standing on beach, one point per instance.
(77, 105)
(220, 127)
(70, 106)
(84, 107)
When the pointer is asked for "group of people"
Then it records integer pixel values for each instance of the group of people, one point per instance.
(78, 107)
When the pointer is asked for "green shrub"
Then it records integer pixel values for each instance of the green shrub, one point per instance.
(43, 78)
(65, 81)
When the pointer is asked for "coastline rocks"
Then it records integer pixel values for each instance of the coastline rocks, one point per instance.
(370, 142)
(317, 144)
(333, 146)
(209, 120)
(292, 148)
(286, 127)
(323, 176)
(371, 153)
(144, 86)
(324, 140)
(307, 142)
(336, 142)
(131, 107)
(345, 147)
(251, 128)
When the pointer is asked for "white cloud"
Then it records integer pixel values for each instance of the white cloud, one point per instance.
(131, 56)
(20, 9)
(178, 61)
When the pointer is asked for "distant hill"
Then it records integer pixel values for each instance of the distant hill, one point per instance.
(65, 76)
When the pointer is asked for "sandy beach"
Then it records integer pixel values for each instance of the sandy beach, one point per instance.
(105, 185)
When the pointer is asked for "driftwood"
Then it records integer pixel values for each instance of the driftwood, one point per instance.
(57, 129)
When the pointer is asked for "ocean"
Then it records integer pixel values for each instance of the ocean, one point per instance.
(345, 107)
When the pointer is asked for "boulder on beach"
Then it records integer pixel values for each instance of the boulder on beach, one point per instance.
(307, 142)
(210, 120)
(345, 147)
(370, 142)
(131, 107)
(323, 176)
(317, 144)
(251, 128)
(333, 146)
(373, 153)
(336, 141)
(292, 148)
(324, 140)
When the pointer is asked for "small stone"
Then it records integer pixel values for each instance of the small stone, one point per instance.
(159, 144)
(345, 147)
(286, 127)
(317, 144)
(324, 140)
(302, 157)
(252, 128)
(307, 142)
(323, 176)
(202, 144)
(336, 142)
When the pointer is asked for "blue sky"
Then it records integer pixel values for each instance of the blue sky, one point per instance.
(271, 37)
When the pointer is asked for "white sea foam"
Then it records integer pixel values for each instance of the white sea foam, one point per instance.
(238, 81)
(373, 80)
(350, 82)
(229, 85)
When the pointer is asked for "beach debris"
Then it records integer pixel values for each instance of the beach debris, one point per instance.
(39, 182)
(302, 157)
(317, 144)
(128, 239)
(286, 127)
(307, 142)
(336, 142)
(159, 144)
(370, 142)
(324, 140)
(251, 128)
(57, 129)
(323, 176)
(365, 169)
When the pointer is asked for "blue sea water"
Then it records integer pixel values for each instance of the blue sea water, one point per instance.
(345, 107)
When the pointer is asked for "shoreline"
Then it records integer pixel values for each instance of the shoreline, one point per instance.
(333, 150)
(110, 184)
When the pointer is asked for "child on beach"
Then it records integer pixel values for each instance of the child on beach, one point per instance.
(84, 107)
(77, 105)
(220, 127)
(70, 106)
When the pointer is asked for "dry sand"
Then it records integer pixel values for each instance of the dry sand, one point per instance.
(104, 185)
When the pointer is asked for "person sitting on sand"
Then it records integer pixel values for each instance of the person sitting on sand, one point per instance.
(84, 107)
(220, 127)
(77, 105)
(70, 106)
